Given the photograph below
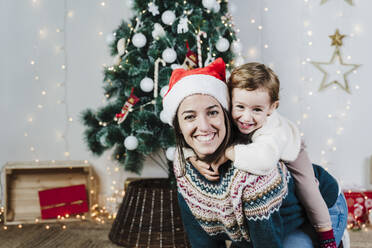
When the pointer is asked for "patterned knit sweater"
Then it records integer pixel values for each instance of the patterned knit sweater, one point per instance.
(236, 200)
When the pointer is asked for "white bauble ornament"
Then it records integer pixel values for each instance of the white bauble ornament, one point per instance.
(216, 7)
(168, 17)
(103, 141)
(163, 117)
(169, 55)
(208, 4)
(239, 61)
(170, 153)
(121, 46)
(222, 45)
(158, 31)
(110, 38)
(236, 47)
(131, 142)
(228, 74)
(139, 40)
(147, 84)
(164, 90)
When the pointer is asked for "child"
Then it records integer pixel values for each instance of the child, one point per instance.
(254, 90)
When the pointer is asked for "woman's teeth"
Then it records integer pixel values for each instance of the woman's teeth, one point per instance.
(205, 137)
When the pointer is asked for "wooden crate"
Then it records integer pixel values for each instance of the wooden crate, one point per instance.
(23, 181)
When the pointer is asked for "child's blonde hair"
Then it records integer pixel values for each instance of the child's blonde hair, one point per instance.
(252, 76)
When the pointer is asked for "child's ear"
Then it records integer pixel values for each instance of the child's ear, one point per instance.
(273, 106)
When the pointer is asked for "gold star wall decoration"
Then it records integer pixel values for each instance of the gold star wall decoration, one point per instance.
(336, 64)
(337, 38)
(348, 1)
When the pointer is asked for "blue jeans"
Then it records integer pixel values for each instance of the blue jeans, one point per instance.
(306, 237)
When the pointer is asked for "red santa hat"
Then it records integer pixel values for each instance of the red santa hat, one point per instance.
(210, 80)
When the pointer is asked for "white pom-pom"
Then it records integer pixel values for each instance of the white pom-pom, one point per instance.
(139, 40)
(158, 31)
(164, 90)
(236, 47)
(131, 142)
(121, 46)
(222, 45)
(147, 84)
(168, 17)
(163, 117)
(170, 153)
(169, 55)
(208, 4)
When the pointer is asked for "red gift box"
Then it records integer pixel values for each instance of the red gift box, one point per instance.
(61, 201)
(359, 204)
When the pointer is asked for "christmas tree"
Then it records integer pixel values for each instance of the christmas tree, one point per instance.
(162, 36)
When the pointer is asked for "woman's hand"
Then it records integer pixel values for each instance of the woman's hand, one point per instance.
(210, 172)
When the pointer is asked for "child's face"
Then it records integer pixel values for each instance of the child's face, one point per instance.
(250, 109)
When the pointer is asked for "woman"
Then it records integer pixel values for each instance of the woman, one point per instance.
(252, 211)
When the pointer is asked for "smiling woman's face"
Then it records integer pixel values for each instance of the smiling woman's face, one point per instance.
(202, 123)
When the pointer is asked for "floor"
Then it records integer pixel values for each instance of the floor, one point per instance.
(92, 235)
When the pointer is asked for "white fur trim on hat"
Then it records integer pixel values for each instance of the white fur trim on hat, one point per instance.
(194, 84)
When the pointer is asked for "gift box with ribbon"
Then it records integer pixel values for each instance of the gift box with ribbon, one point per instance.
(62, 201)
(359, 204)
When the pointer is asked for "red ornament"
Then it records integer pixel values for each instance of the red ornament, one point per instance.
(191, 59)
(125, 109)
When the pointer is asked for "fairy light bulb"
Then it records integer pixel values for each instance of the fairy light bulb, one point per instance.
(253, 20)
(70, 14)
(260, 27)
(32, 62)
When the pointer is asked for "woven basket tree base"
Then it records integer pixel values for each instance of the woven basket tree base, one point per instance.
(149, 216)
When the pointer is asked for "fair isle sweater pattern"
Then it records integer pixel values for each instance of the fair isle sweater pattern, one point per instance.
(225, 206)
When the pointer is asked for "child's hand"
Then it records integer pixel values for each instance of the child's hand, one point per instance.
(230, 154)
(205, 169)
